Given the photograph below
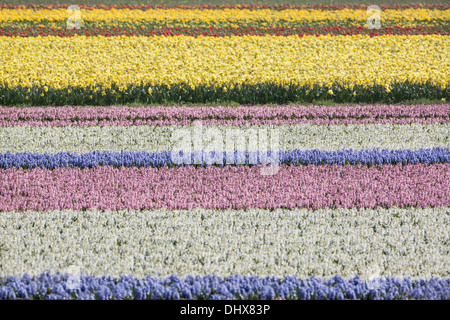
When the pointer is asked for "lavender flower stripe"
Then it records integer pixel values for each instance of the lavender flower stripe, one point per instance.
(211, 287)
(29, 160)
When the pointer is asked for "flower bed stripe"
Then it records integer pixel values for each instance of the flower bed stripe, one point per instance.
(234, 187)
(229, 17)
(164, 138)
(392, 242)
(133, 75)
(57, 286)
(253, 115)
(137, 29)
(169, 158)
(217, 22)
(241, 6)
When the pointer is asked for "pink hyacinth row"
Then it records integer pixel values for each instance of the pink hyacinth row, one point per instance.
(125, 116)
(213, 187)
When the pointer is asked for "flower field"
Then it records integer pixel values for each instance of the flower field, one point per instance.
(246, 55)
(128, 172)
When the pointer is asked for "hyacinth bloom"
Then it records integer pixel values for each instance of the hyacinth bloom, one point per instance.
(283, 137)
(176, 158)
(282, 242)
(253, 115)
(119, 180)
(54, 286)
(238, 187)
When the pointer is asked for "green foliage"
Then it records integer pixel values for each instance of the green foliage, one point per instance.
(264, 93)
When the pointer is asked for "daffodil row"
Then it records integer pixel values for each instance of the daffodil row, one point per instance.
(249, 69)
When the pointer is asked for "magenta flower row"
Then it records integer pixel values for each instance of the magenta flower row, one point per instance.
(334, 186)
(93, 116)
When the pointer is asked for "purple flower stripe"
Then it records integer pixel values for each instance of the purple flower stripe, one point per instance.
(159, 116)
(211, 287)
(28, 160)
(228, 187)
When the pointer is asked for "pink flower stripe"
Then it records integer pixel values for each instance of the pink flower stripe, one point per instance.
(213, 187)
(159, 116)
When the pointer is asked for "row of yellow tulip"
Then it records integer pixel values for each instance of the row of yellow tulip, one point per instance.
(178, 16)
(82, 61)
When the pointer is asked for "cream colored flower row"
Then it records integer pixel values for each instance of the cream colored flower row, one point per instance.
(370, 243)
(55, 62)
(223, 138)
(219, 16)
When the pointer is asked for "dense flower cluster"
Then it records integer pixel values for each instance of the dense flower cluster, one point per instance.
(221, 21)
(247, 202)
(57, 286)
(297, 157)
(222, 53)
(249, 69)
(137, 29)
(86, 139)
(236, 116)
(237, 187)
(228, 6)
(409, 242)
(229, 17)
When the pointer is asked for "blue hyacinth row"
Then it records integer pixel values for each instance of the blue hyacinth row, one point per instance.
(211, 287)
(171, 158)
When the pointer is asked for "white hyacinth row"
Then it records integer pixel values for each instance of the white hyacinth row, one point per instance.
(371, 243)
(163, 138)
